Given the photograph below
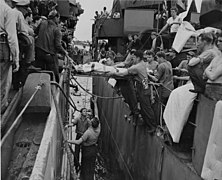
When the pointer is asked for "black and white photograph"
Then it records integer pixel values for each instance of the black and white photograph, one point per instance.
(111, 89)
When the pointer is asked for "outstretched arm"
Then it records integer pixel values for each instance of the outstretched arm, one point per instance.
(79, 141)
(164, 28)
(152, 77)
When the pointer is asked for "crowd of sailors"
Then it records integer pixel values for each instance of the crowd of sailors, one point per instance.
(31, 36)
(154, 85)
(102, 14)
(157, 74)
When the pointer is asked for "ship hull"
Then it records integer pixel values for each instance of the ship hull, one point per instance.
(139, 154)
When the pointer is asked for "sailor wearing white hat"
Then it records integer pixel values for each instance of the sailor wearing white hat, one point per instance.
(21, 2)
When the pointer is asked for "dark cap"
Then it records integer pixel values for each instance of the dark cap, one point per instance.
(139, 54)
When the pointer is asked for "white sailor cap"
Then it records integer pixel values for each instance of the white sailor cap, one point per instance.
(73, 2)
(22, 2)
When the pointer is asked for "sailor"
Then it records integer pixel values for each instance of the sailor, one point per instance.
(110, 53)
(164, 75)
(174, 23)
(26, 42)
(82, 123)
(104, 13)
(48, 44)
(196, 66)
(136, 44)
(142, 88)
(213, 75)
(23, 16)
(89, 147)
(8, 46)
(183, 69)
(127, 89)
(151, 64)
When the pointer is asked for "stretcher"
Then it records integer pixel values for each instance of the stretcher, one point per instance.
(99, 70)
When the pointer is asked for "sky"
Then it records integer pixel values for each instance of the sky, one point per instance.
(84, 25)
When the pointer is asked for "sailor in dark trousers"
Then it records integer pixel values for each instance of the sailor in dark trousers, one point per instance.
(82, 123)
(142, 88)
(48, 44)
(89, 147)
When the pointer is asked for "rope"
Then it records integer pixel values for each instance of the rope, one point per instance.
(166, 88)
(75, 109)
(160, 84)
(159, 99)
(161, 107)
(18, 119)
(121, 156)
(101, 97)
(74, 176)
(12, 105)
(71, 103)
(85, 91)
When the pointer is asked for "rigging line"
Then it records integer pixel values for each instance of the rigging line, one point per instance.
(143, 45)
(121, 156)
(86, 89)
(101, 97)
(58, 112)
(152, 83)
(18, 119)
(158, 96)
(166, 87)
(71, 103)
(75, 109)
(161, 107)
(12, 105)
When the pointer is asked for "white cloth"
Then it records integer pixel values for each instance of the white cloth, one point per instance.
(112, 82)
(184, 14)
(97, 67)
(198, 5)
(174, 27)
(212, 166)
(185, 31)
(177, 110)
